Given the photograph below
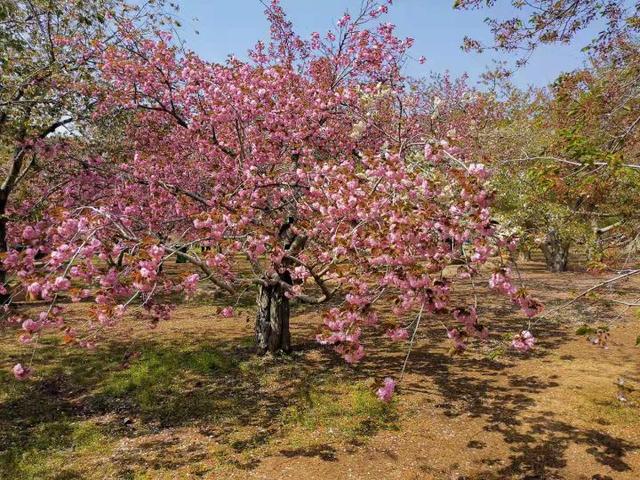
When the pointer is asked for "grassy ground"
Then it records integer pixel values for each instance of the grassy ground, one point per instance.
(190, 400)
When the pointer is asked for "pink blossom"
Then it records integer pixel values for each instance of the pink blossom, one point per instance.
(398, 334)
(356, 299)
(344, 20)
(301, 273)
(110, 279)
(481, 254)
(457, 337)
(29, 233)
(524, 341)
(62, 283)
(30, 326)
(386, 391)
(501, 281)
(105, 319)
(354, 355)
(227, 312)
(453, 333)
(529, 305)
(20, 372)
(190, 283)
(467, 317)
(197, 223)
(34, 289)
(156, 252)
(479, 170)
(147, 273)
(87, 344)
(102, 299)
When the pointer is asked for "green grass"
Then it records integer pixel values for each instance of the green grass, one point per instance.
(47, 423)
(51, 445)
(345, 410)
(68, 421)
(169, 385)
(114, 413)
(156, 370)
(588, 330)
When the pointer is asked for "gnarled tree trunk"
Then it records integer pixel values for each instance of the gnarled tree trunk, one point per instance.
(556, 252)
(272, 319)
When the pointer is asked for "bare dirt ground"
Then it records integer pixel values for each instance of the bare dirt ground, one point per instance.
(190, 400)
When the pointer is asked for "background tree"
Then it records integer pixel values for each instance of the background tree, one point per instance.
(540, 22)
(47, 50)
(568, 167)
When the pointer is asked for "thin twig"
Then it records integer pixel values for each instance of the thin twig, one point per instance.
(413, 336)
(589, 290)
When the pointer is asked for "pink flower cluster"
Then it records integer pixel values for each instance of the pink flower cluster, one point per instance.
(501, 281)
(524, 341)
(21, 372)
(190, 284)
(458, 339)
(398, 334)
(344, 333)
(385, 393)
(469, 318)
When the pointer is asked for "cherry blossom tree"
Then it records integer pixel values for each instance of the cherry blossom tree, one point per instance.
(48, 49)
(305, 172)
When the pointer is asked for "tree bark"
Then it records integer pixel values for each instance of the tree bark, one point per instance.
(595, 250)
(3, 240)
(272, 319)
(556, 252)
(13, 176)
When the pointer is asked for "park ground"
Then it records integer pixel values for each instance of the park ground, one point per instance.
(189, 400)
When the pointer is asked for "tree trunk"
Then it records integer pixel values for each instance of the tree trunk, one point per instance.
(3, 241)
(272, 319)
(556, 252)
(595, 248)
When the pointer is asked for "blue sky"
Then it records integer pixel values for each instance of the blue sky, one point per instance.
(233, 26)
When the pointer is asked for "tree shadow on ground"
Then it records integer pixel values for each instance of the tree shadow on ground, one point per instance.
(538, 443)
(216, 385)
(142, 389)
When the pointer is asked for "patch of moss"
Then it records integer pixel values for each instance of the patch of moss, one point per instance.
(55, 450)
(168, 384)
(348, 411)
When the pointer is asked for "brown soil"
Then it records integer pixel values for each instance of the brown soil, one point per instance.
(555, 413)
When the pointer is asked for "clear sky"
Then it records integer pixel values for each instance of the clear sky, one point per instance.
(233, 26)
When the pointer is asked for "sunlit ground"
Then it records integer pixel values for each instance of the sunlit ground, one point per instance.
(190, 400)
